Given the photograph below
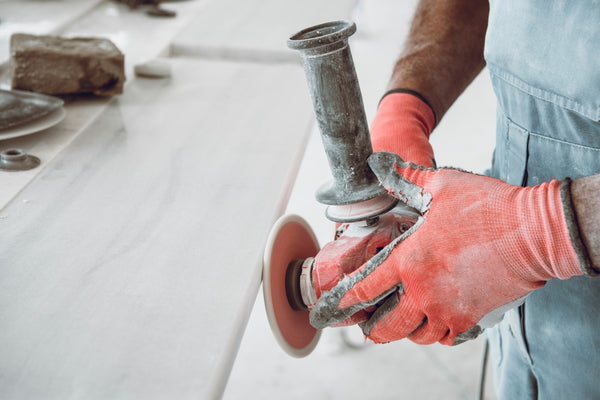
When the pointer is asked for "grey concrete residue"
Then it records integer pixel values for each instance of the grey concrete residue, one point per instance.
(384, 165)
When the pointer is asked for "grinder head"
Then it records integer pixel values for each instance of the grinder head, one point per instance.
(290, 242)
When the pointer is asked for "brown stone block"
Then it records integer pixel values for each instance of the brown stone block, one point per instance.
(56, 65)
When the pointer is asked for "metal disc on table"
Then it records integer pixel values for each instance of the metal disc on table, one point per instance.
(291, 239)
(18, 107)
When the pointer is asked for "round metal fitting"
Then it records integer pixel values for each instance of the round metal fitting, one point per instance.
(320, 35)
(17, 160)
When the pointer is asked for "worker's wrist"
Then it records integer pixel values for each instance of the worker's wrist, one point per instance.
(412, 93)
(573, 226)
(405, 105)
(402, 125)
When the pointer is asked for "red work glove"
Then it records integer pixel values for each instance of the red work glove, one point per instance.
(402, 125)
(479, 246)
(354, 245)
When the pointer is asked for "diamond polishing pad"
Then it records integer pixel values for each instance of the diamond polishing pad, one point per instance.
(291, 239)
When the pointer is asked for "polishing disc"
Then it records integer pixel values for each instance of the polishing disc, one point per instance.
(291, 239)
(362, 210)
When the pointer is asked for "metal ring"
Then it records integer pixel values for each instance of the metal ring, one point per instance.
(17, 160)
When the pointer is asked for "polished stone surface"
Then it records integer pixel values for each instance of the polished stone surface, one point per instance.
(129, 265)
(131, 259)
(254, 30)
(138, 36)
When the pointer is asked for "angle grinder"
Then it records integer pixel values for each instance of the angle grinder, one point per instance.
(354, 196)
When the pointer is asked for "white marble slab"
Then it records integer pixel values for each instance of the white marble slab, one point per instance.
(139, 36)
(46, 144)
(254, 30)
(129, 266)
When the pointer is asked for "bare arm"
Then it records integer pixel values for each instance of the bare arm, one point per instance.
(444, 50)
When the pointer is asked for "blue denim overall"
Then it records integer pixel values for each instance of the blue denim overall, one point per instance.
(544, 61)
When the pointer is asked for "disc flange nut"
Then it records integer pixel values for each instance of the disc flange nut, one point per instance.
(17, 160)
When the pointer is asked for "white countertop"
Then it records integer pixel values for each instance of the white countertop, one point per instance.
(130, 260)
(137, 35)
(130, 263)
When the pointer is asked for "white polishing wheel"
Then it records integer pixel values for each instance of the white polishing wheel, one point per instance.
(291, 238)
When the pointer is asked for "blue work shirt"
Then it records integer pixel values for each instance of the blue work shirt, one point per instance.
(544, 61)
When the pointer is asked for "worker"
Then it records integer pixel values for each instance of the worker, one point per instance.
(520, 246)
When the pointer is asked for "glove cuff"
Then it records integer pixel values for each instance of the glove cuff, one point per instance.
(402, 125)
(574, 233)
(417, 95)
(536, 241)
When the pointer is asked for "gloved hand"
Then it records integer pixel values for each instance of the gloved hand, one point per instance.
(480, 245)
(353, 246)
(402, 125)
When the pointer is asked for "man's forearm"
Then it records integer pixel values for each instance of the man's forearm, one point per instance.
(444, 50)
